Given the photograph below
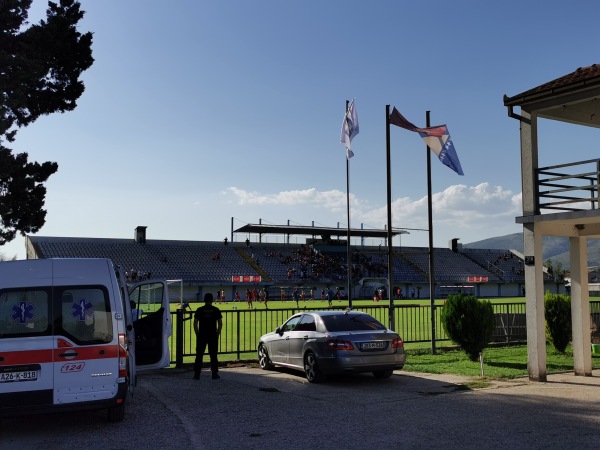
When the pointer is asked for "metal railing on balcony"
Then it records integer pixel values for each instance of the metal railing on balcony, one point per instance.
(569, 187)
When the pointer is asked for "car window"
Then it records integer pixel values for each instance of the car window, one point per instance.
(306, 324)
(85, 315)
(351, 322)
(24, 313)
(290, 324)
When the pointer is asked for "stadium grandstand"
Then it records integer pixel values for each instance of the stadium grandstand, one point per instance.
(318, 263)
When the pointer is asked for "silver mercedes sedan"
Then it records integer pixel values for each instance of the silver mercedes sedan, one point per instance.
(322, 343)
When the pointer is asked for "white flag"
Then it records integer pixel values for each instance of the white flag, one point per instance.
(349, 128)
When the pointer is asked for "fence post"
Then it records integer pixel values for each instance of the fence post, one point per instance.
(238, 335)
(179, 339)
(508, 325)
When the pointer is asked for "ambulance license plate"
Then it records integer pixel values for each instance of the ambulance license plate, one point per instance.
(19, 373)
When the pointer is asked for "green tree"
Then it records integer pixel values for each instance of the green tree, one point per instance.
(557, 311)
(40, 66)
(469, 323)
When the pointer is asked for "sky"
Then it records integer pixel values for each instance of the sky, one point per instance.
(203, 114)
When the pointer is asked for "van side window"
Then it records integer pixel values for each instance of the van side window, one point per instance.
(85, 314)
(24, 313)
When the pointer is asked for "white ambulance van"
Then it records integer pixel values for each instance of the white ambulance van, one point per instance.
(67, 336)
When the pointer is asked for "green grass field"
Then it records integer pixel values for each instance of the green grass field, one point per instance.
(499, 362)
(322, 304)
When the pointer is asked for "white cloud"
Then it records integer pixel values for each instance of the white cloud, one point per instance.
(333, 200)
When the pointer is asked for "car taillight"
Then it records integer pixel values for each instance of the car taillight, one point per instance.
(122, 356)
(336, 344)
(398, 343)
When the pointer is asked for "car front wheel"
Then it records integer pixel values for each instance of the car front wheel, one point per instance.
(311, 368)
(263, 358)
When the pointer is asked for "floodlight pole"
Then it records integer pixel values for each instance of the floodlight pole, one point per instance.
(430, 226)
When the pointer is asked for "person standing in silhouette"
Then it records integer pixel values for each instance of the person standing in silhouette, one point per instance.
(208, 322)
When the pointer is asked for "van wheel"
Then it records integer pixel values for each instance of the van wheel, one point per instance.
(116, 413)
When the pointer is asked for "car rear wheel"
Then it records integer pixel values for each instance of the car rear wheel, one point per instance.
(263, 358)
(383, 373)
(311, 368)
(116, 413)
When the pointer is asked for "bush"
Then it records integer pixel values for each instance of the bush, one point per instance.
(469, 323)
(557, 310)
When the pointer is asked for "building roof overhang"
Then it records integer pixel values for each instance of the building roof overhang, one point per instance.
(572, 98)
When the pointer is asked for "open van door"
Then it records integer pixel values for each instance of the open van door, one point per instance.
(151, 315)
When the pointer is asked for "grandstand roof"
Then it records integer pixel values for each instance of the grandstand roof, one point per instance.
(305, 230)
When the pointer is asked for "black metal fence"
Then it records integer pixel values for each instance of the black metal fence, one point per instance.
(243, 327)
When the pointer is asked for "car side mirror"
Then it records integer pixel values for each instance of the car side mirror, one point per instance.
(278, 330)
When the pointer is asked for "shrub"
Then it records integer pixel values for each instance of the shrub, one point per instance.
(469, 322)
(557, 310)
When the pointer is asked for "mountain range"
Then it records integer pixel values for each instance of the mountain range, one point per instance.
(555, 248)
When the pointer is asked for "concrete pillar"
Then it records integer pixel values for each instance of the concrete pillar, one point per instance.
(534, 304)
(580, 307)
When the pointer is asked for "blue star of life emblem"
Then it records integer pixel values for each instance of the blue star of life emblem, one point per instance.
(82, 309)
(22, 312)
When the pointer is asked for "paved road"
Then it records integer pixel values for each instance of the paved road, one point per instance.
(252, 409)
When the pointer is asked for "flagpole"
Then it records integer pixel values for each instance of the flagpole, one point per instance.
(392, 322)
(348, 257)
(430, 227)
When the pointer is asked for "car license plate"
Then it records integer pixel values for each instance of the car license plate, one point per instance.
(372, 345)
